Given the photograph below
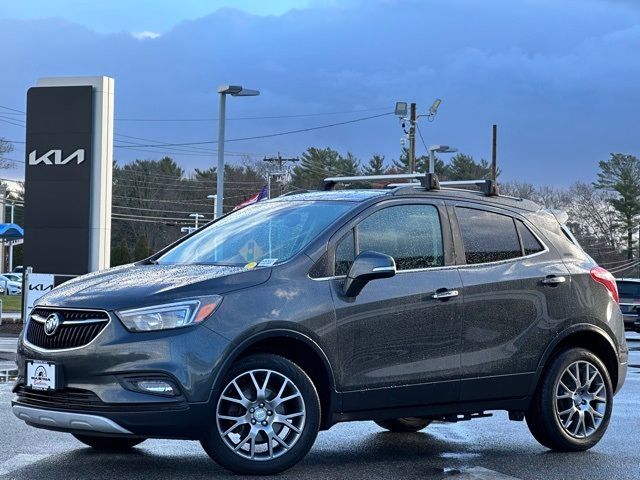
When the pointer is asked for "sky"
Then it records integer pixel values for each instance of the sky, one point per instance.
(559, 77)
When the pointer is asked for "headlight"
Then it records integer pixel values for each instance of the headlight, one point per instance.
(169, 315)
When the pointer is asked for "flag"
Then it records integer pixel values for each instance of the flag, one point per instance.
(261, 195)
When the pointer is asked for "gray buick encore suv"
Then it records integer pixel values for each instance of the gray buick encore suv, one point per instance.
(400, 305)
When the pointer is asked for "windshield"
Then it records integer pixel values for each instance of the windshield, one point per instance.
(260, 235)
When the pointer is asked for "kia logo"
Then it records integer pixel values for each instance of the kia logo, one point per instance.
(51, 324)
(54, 157)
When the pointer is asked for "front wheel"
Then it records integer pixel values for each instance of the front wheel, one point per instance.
(267, 416)
(109, 444)
(404, 424)
(571, 408)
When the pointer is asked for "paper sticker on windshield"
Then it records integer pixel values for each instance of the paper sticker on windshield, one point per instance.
(267, 262)
(250, 265)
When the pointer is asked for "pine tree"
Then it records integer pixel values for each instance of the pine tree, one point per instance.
(142, 249)
(318, 163)
(375, 166)
(621, 175)
(120, 254)
(464, 167)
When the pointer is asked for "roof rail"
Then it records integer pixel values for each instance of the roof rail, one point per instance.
(428, 181)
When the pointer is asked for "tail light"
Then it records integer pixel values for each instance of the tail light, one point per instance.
(603, 276)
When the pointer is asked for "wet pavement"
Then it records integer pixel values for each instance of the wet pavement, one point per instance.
(488, 448)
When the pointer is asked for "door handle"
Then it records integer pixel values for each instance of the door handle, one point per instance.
(443, 295)
(553, 280)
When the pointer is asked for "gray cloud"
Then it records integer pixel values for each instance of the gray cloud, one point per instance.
(560, 78)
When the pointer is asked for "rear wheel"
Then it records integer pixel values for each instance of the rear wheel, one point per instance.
(571, 408)
(113, 444)
(404, 424)
(267, 416)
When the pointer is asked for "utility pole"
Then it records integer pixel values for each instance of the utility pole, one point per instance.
(494, 153)
(279, 171)
(412, 138)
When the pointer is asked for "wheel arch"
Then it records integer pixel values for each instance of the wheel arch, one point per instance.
(590, 337)
(299, 348)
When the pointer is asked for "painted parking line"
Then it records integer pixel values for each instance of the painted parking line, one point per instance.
(19, 461)
(475, 473)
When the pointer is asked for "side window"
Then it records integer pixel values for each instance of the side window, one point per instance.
(411, 234)
(345, 253)
(487, 236)
(530, 243)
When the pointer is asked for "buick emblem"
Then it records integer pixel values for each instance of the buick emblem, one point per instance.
(51, 324)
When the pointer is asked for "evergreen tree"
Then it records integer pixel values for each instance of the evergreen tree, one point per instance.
(142, 249)
(120, 254)
(375, 166)
(318, 163)
(464, 167)
(621, 175)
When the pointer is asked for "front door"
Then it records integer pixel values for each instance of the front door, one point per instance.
(402, 331)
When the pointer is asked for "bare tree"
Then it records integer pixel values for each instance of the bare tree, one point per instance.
(5, 147)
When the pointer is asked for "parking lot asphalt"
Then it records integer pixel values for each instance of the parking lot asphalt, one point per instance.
(488, 448)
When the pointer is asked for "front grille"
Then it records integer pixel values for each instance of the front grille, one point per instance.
(69, 399)
(76, 328)
(74, 399)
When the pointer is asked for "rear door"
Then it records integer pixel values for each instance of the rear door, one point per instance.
(515, 288)
(398, 345)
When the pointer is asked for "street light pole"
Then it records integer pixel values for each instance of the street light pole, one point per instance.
(215, 204)
(412, 138)
(220, 171)
(234, 91)
(439, 149)
(13, 206)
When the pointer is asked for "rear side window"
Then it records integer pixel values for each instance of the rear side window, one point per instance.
(530, 243)
(487, 236)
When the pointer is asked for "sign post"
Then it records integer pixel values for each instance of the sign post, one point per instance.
(69, 149)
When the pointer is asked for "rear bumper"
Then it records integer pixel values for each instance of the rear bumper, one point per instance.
(622, 375)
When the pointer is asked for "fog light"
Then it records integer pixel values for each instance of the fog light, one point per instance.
(156, 386)
(153, 385)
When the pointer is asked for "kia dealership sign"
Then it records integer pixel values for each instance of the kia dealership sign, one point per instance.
(69, 149)
(54, 157)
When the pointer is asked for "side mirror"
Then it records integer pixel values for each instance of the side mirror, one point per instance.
(366, 267)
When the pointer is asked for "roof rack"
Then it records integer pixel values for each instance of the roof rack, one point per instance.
(428, 181)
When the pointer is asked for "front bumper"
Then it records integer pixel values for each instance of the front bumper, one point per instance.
(67, 420)
(91, 394)
(188, 423)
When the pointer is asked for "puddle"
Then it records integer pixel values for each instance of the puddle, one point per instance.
(8, 374)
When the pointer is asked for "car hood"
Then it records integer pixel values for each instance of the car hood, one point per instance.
(142, 285)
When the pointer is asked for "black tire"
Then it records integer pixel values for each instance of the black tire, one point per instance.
(542, 417)
(109, 444)
(221, 450)
(404, 424)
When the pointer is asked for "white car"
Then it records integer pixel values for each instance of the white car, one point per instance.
(12, 287)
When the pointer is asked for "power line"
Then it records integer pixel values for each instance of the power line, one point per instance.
(270, 135)
(266, 117)
(12, 109)
(11, 123)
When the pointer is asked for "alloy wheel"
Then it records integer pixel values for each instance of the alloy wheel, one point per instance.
(580, 399)
(260, 414)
